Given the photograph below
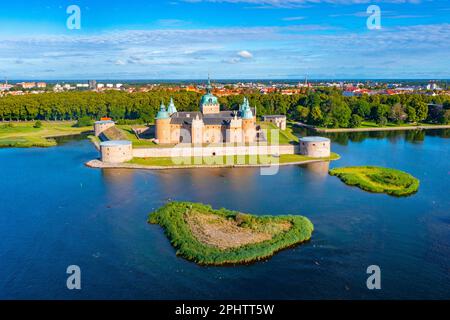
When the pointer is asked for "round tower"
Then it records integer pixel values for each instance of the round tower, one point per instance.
(248, 122)
(315, 147)
(163, 125)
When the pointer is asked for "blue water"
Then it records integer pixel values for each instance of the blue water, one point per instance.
(55, 212)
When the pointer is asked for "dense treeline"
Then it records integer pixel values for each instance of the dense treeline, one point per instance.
(324, 107)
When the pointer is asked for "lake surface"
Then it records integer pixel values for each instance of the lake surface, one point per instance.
(55, 212)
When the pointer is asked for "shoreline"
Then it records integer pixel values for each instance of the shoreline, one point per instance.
(399, 128)
(97, 164)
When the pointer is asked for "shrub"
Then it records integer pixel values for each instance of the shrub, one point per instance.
(37, 124)
(84, 122)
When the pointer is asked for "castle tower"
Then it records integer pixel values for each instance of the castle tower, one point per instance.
(248, 122)
(163, 125)
(197, 130)
(171, 109)
(209, 103)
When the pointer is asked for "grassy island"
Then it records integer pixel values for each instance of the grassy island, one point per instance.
(220, 237)
(379, 180)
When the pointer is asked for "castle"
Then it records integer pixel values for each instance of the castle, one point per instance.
(209, 125)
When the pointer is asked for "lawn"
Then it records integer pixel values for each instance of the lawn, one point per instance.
(140, 143)
(221, 237)
(379, 180)
(284, 136)
(23, 134)
(227, 160)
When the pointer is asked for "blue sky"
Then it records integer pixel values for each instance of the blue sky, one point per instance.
(237, 39)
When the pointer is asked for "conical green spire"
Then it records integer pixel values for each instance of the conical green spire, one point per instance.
(171, 109)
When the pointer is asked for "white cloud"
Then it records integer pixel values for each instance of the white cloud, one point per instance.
(245, 54)
(293, 18)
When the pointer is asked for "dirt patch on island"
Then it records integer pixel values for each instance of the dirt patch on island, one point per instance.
(224, 233)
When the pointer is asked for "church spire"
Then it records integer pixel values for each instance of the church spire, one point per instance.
(209, 86)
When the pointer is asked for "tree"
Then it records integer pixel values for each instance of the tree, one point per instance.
(446, 105)
(421, 111)
(382, 121)
(411, 114)
(355, 121)
(316, 116)
(362, 108)
(445, 119)
(379, 110)
(302, 113)
(397, 113)
(37, 124)
(84, 122)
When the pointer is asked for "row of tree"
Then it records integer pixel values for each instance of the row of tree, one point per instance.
(324, 107)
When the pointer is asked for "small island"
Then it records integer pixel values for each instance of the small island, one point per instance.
(378, 180)
(225, 237)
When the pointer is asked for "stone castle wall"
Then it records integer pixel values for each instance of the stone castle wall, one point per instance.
(116, 153)
(101, 126)
(188, 151)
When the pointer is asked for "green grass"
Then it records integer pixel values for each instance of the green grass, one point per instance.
(172, 217)
(379, 180)
(284, 136)
(24, 135)
(227, 160)
(140, 143)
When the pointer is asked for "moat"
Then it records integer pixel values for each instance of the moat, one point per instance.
(56, 212)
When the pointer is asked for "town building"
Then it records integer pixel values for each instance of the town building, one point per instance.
(278, 120)
(209, 125)
(27, 85)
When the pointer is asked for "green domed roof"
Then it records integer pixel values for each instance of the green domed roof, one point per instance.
(209, 98)
(162, 113)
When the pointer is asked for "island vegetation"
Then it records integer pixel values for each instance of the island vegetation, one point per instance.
(220, 237)
(377, 179)
(36, 134)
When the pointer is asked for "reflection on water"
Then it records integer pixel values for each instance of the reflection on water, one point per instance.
(413, 136)
(66, 213)
(320, 169)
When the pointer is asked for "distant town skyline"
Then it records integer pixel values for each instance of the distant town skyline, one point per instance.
(231, 39)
